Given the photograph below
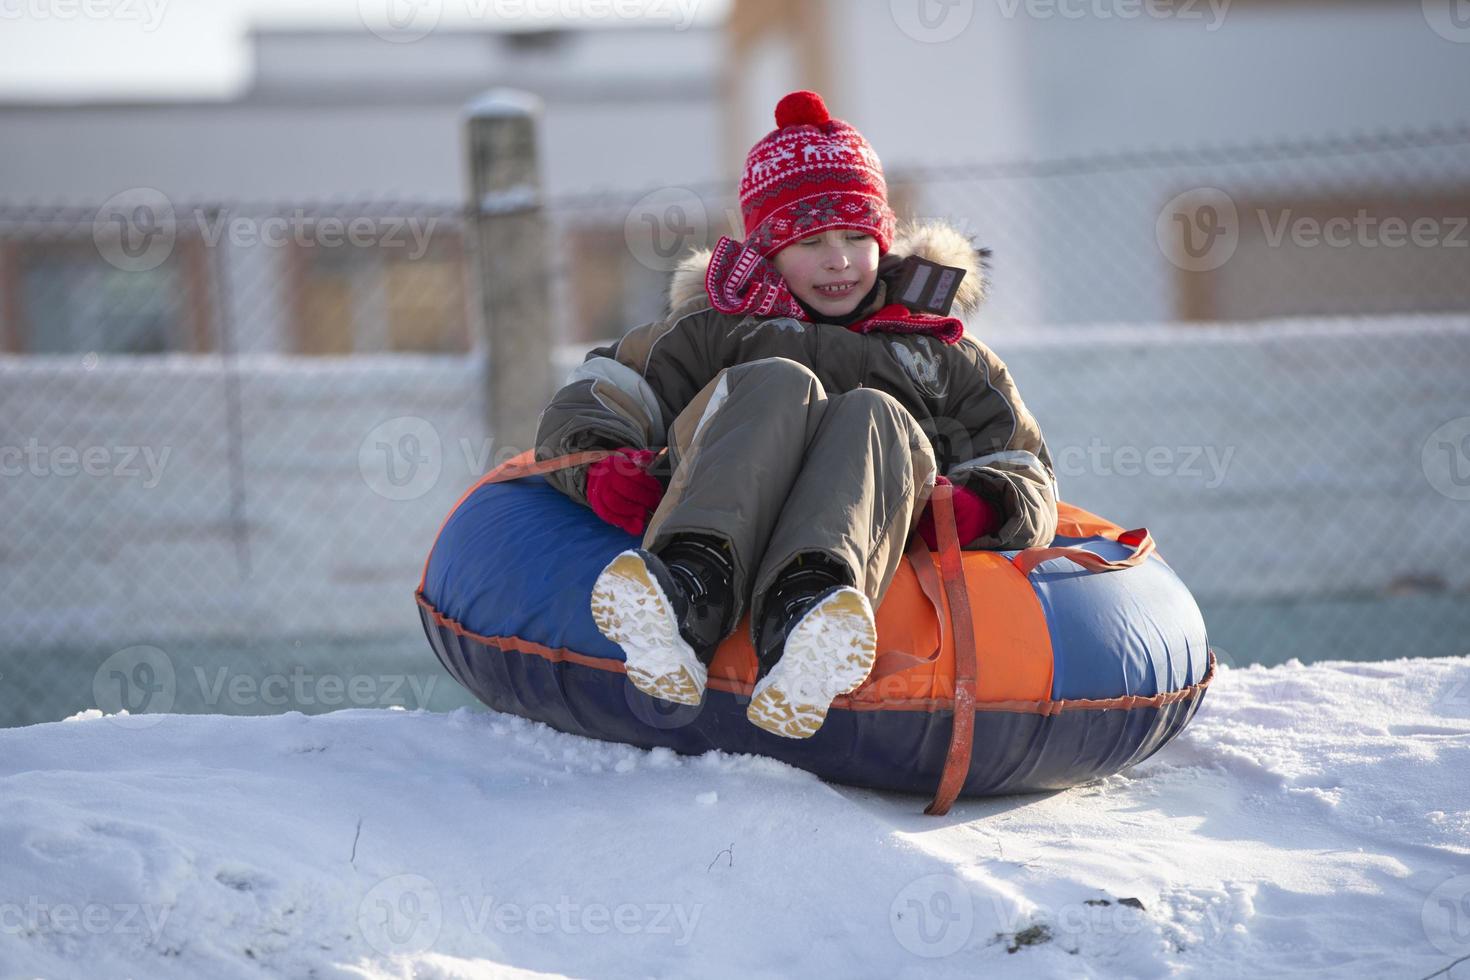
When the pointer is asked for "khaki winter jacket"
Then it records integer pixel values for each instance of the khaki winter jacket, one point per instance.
(983, 438)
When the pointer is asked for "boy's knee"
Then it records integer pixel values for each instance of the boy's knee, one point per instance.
(873, 402)
(778, 370)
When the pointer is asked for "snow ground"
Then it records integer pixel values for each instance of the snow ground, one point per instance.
(1312, 821)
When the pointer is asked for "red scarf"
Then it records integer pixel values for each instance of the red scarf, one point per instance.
(741, 280)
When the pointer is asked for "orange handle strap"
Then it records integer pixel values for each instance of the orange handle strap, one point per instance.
(1138, 539)
(921, 560)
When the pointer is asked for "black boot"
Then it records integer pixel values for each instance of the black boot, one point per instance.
(801, 585)
(669, 613)
(817, 640)
(703, 574)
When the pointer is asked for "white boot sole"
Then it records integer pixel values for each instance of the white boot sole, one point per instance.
(631, 610)
(830, 652)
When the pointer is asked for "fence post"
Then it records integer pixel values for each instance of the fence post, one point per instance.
(509, 229)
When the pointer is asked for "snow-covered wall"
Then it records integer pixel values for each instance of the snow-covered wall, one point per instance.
(147, 499)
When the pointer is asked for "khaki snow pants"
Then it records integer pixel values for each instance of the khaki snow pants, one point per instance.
(764, 458)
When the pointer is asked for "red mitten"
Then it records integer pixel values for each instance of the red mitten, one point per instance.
(621, 491)
(973, 516)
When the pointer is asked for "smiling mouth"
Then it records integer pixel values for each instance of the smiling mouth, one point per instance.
(836, 289)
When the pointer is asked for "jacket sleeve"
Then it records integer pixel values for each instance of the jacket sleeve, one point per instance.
(626, 394)
(996, 450)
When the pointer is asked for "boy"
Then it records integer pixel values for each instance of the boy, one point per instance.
(810, 387)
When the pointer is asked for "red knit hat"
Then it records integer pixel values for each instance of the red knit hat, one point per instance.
(811, 173)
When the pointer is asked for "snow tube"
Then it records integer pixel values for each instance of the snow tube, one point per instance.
(1072, 673)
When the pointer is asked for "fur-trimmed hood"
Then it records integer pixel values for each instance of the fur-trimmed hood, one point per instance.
(935, 240)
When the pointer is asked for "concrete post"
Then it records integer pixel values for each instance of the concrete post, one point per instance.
(508, 231)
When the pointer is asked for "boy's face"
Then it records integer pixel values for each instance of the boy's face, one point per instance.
(838, 257)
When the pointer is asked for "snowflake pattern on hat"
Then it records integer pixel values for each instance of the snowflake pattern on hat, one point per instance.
(810, 174)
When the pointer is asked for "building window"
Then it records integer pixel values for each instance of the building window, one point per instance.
(62, 297)
(374, 298)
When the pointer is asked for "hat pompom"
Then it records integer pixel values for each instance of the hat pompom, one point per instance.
(801, 108)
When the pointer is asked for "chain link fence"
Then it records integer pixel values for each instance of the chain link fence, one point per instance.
(228, 432)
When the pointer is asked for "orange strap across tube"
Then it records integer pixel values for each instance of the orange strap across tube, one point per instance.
(962, 731)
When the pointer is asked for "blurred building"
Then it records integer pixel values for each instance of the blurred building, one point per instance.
(1059, 133)
(339, 124)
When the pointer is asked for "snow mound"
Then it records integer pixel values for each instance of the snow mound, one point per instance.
(1313, 820)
